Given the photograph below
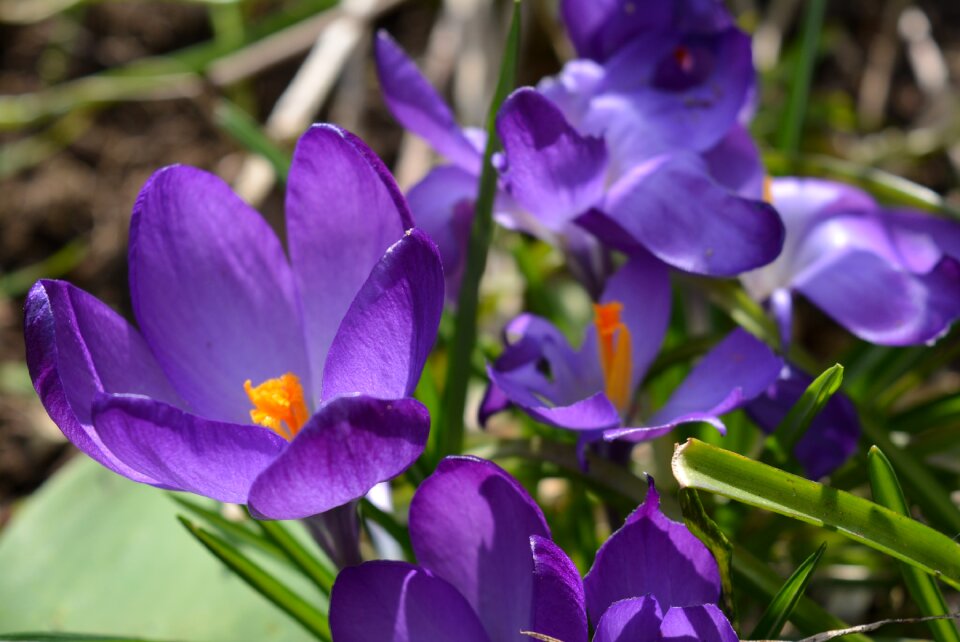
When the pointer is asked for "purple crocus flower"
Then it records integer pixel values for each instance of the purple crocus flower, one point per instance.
(888, 276)
(566, 176)
(591, 390)
(283, 385)
(488, 570)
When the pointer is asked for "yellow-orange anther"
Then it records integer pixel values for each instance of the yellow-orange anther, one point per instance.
(615, 352)
(768, 189)
(278, 404)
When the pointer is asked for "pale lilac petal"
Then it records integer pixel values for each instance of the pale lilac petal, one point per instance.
(77, 347)
(399, 602)
(651, 555)
(470, 523)
(390, 328)
(419, 108)
(343, 211)
(642, 285)
(551, 170)
(832, 435)
(672, 207)
(882, 304)
(350, 445)
(735, 371)
(631, 620)
(701, 623)
(558, 602)
(442, 205)
(212, 292)
(184, 451)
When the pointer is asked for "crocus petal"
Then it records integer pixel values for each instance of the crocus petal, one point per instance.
(552, 170)
(832, 435)
(705, 623)
(419, 108)
(399, 602)
(78, 347)
(642, 285)
(882, 304)
(347, 447)
(630, 620)
(600, 27)
(343, 211)
(736, 370)
(391, 326)
(558, 602)
(442, 206)
(735, 163)
(671, 206)
(470, 523)
(212, 292)
(651, 555)
(183, 451)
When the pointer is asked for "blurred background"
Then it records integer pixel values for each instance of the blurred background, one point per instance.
(97, 94)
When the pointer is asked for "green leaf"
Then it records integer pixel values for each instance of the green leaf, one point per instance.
(264, 583)
(923, 588)
(246, 130)
(785, 601)
(792, 428)
(450, 423)
(808, 616)
(91, 551)
(792, 129)
(707, 531)
(319, 570)
(232, 530)
(704, 467)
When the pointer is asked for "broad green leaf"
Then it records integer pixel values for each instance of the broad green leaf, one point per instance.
(704, 467)
(449, 428)
(315, 566)
(263, 582)
(923, 588)
(808, 616)
(68, 637)
(785, 601)
(792, 129)
(792, 428)
(93, 552)
(707, 531)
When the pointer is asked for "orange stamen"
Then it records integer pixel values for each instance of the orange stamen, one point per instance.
(615, 352)
(683, 57)
(278, 404)
(768, 190)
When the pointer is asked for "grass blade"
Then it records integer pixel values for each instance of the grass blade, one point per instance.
(786, 435)
(786, 599)
(704, 467)
(320, 572)
(923, 588)
(247, 132)
(396, 530)
(800, 91)
(450, 424)
(268, 586)
(239, 531)
(707, 531)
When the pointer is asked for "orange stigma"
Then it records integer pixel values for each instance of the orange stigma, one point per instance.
(684, 58)
(615, 352)
(768, 190)
(278, 404)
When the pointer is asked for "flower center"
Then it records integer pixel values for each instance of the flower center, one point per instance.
(278, 404)
(615, 352)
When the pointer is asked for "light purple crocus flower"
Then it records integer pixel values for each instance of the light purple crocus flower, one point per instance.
(592, 389)
(322, 350)
(889, 276)
(488, 571)
(567, 178)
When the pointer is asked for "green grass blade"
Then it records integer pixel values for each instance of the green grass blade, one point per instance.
(247, 132)
(707, 531)
(923, 588)
(450, 422)
(786, 599)
(704, 467)
(792, 428)
(238, 531)
(268, 586)
(67, 637)
(792, 129)
(396, 530)
(320, 571)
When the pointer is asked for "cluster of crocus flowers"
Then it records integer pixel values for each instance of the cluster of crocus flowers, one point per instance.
(889, 276)
(281, 384)
(489, 570)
